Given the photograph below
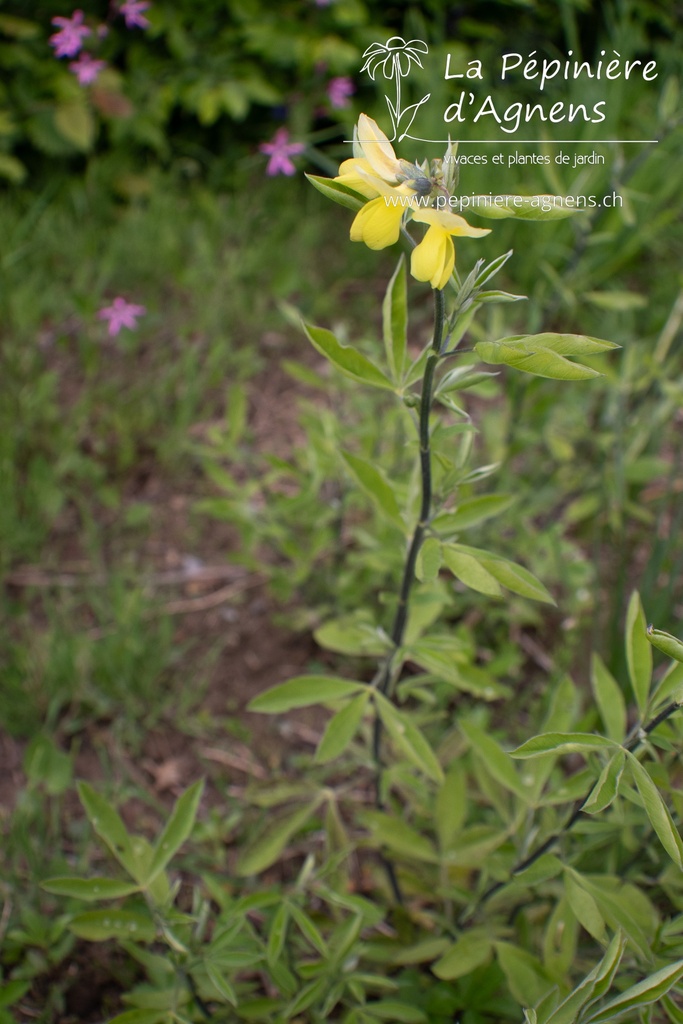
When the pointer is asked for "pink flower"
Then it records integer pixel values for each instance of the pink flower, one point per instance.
(279, 150)
(121, 314)
(86, 68)
(132, 12)
(339, 90)
(68, 41)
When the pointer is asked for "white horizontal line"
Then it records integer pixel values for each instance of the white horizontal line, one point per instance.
(510, 142)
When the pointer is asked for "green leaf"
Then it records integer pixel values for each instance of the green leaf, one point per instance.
(533, 359)
(408, 738)
(277, 934)
(539, 207)
(400, 837)
(341, 729)
(11, 992)
(428, 560)
(583, 906)
(270, 844)
(75, 122)
(177, 829)
(514, 577)
(545, 354)
(609, 698)
(465, 955)
(354, 634)
(338, 192)
(98, 925)
(389, 1009)
(470, 571)
(46, 765)
(666, 643)
(523, 972)
(89, 889)
(606, 787)
(351, 362)
(302, 691)
(562, 743)
(638, 651)
(309, 930)
(376, 487)
(141, 1017)
(648, 991)
(593, 986)
(395, 321)
(109, 827)
(450, 809)
(563, 344)
(220, 983)
(471, 512)
(499, 764)
(657, 811)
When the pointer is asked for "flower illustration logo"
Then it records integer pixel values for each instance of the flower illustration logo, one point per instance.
(395, 58)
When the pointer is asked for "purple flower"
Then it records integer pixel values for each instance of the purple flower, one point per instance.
(121, 314)
(68, 41)
(339, 90)
(132, 12)
(86, 68)
(280, 150)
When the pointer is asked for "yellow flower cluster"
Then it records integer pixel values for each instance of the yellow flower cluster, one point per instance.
(392, 192)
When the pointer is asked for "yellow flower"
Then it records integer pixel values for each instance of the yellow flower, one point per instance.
(372, 145)
(357, 174)
(434, 258)
(378, 223)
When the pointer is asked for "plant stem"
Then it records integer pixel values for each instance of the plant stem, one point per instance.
(632, 742)
(402, 608)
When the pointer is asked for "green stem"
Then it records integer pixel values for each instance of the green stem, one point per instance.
(401, 615)
(632, 742)
(403, 606)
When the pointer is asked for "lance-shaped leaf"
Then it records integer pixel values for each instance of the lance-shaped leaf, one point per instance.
(302, 691)
(408, 738)
(609, 698)
(177, 829)
(347, 359)
(605, 789)
(593, 986)
(541, 207)
(395, 321)
(400, 837)
(499, 764)
(99, 925)
(470, 951)
(89, 889)
(514, 577)
(471, 512)
(648, 991)
(341, 729)
(266, 849)
(666, 643)
(638, 651)
(109, 827)
(544, 355)
(562, 743)
(338, 192)
(376, 487)
(583, 905)
(657, 811)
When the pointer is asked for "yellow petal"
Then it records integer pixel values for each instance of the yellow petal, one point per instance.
(433, 259)
(357, 174)
(377, 224)
(449, 222)
(377, 149)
